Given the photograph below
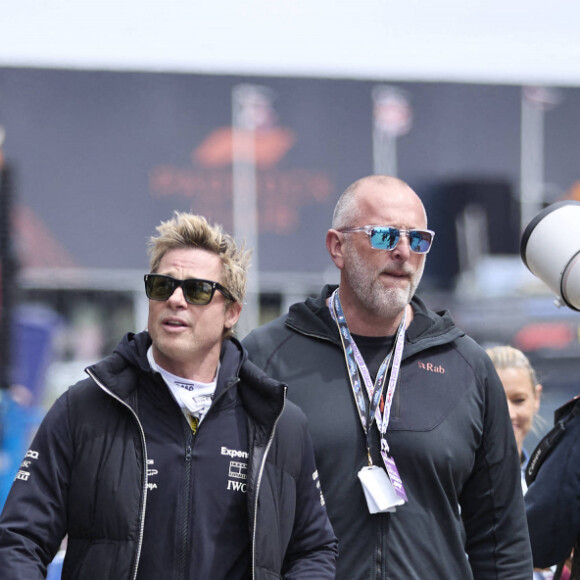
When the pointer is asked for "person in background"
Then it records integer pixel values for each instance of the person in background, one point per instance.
(176, 458)
(522, 391)
(553, 497)
(413, 439)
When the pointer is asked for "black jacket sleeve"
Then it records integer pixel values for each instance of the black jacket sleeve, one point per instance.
(313, 548)
(33, 521)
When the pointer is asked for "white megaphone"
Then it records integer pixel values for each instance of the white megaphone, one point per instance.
(550, 249)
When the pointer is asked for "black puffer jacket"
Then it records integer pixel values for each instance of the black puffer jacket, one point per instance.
(86, 474)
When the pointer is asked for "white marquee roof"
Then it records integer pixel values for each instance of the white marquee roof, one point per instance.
(496, 41)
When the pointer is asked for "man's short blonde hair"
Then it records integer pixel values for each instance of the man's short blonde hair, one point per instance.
(186, 230)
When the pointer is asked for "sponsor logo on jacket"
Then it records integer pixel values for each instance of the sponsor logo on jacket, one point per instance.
(431, 367)
(151, 472)
(23, 474)
(237, 470)
(318, 487)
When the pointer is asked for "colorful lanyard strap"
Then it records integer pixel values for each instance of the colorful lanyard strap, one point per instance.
(357, 367)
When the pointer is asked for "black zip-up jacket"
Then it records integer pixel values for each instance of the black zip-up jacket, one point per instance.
(244, 488)
(449, 433)
(553, 499)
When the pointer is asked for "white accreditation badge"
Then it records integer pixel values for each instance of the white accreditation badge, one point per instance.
(379, 491)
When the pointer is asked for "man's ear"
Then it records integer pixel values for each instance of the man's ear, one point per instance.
(334, 247)
(233, 311)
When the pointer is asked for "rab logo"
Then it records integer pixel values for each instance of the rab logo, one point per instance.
(431, 367)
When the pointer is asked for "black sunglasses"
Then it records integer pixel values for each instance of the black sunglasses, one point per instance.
(196, 291)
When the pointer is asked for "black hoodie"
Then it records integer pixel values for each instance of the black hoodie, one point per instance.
(449, 433)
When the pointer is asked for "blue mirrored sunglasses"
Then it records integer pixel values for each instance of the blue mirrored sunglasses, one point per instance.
(387, 238)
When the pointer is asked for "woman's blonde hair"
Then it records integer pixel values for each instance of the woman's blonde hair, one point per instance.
(507, 357)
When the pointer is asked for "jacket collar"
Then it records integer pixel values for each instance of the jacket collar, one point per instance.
(428, 328)
(262, 397)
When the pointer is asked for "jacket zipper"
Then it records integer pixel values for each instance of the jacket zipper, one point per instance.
(145, 476)
(184, 539)
(258, 484)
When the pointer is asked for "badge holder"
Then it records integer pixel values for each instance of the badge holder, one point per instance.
(379, 491)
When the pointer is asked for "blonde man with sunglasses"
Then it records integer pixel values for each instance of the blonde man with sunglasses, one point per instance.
(413, 440)
(177, 458)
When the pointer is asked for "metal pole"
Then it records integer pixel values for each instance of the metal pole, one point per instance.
(245, 199)
(532, 160)
(384, 153)
(535, 101)
(392, 118)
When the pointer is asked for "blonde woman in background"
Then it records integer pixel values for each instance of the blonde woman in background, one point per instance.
(522, 392)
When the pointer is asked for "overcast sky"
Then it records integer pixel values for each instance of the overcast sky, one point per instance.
(505, 41)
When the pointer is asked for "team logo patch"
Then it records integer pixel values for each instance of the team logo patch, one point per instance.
(237, 470)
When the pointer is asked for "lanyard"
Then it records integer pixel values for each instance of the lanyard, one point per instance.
(355, 363)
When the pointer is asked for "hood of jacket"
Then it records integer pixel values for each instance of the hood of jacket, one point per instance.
(427, 329)
(261, 396)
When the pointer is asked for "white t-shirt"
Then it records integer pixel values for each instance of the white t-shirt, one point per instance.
(193, 397)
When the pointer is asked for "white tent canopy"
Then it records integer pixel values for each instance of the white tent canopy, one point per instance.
(497, 41)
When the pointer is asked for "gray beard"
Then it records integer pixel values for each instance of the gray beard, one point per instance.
(383, 302)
